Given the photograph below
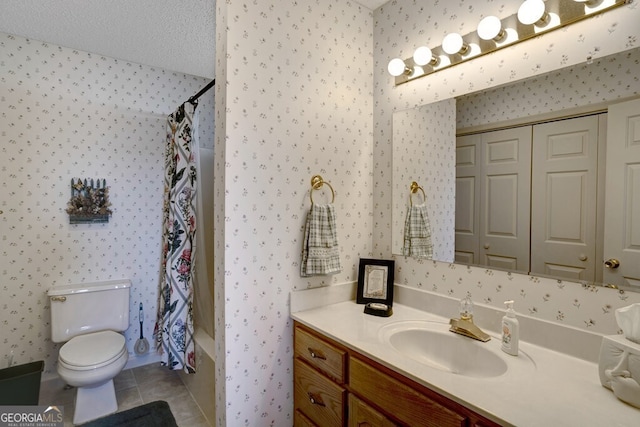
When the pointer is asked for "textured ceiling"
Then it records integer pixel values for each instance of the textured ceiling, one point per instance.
(177, 36)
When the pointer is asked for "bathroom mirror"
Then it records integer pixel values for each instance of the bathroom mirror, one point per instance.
(424, 147)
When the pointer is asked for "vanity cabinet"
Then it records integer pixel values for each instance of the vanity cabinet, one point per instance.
(336, 386)
(320, 374)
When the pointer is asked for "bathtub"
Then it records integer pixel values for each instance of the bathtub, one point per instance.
(201, 384)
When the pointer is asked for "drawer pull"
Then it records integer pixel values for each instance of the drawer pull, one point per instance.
(316, 354)
(315, 399)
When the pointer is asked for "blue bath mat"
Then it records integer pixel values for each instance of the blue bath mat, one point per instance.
(154, 414)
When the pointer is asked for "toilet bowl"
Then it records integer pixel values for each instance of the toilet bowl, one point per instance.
(88, 318)
(92, 359)
(90, 362)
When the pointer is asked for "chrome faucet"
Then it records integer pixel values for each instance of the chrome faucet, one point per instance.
(464, 325)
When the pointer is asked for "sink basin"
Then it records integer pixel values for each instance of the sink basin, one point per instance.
(431, 344)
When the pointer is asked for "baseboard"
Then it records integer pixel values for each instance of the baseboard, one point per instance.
(145, 359)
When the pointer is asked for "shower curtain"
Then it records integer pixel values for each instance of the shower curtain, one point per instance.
(174, 324)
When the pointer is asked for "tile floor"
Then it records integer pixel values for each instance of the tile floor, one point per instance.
(135, 387)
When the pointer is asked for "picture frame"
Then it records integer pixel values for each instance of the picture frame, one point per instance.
(375, 281)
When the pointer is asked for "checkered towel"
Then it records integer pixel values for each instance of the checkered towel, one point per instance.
(320, 250)
(417, 233)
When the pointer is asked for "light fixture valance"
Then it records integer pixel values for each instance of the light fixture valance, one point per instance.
(534, 17)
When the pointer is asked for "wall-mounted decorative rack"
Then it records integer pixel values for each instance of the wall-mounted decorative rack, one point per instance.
(89, 202)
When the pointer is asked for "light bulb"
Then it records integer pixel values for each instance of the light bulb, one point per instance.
(424, 56)
(533, 12)
(397, 67)
(490, 28)
(453, 43)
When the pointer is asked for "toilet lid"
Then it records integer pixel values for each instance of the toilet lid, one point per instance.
(92, 349)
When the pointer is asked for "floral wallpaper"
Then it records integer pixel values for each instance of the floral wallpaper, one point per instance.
(608, 78)
(66, 113)
(220, 208)
(298, 102)
(403, 25)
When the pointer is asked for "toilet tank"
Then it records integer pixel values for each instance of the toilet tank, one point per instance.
(89, 307)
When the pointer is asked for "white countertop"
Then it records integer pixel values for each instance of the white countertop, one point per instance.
(542, 387)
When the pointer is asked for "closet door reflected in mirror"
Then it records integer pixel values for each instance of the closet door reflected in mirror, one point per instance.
(526, 198)
(564, 198)
(493, 175)
(622, 204)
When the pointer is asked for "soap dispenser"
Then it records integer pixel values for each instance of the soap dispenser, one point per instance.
(510, 330)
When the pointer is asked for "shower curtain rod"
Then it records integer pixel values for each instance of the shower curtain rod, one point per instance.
(202, 91)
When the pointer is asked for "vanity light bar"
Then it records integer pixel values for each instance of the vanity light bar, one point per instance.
(534, 17)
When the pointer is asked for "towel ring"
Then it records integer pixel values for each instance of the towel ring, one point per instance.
(414, 189)
(316, 183)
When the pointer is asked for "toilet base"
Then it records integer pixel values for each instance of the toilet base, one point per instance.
(94, 402)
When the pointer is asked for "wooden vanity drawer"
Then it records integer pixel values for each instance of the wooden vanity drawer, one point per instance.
(301, 420)
(320, 354)
(363, 415)
(394, 397)
(317, 397)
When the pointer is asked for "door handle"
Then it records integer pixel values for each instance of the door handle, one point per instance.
(612, 263)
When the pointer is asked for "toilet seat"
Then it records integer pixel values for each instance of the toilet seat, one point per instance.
(92, 351)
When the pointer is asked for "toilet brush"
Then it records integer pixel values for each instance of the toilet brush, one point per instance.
(142, 345)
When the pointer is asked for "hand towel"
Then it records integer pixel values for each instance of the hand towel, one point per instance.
(417, 233)
(320, 250)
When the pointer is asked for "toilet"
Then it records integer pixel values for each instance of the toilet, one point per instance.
(89, 319)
